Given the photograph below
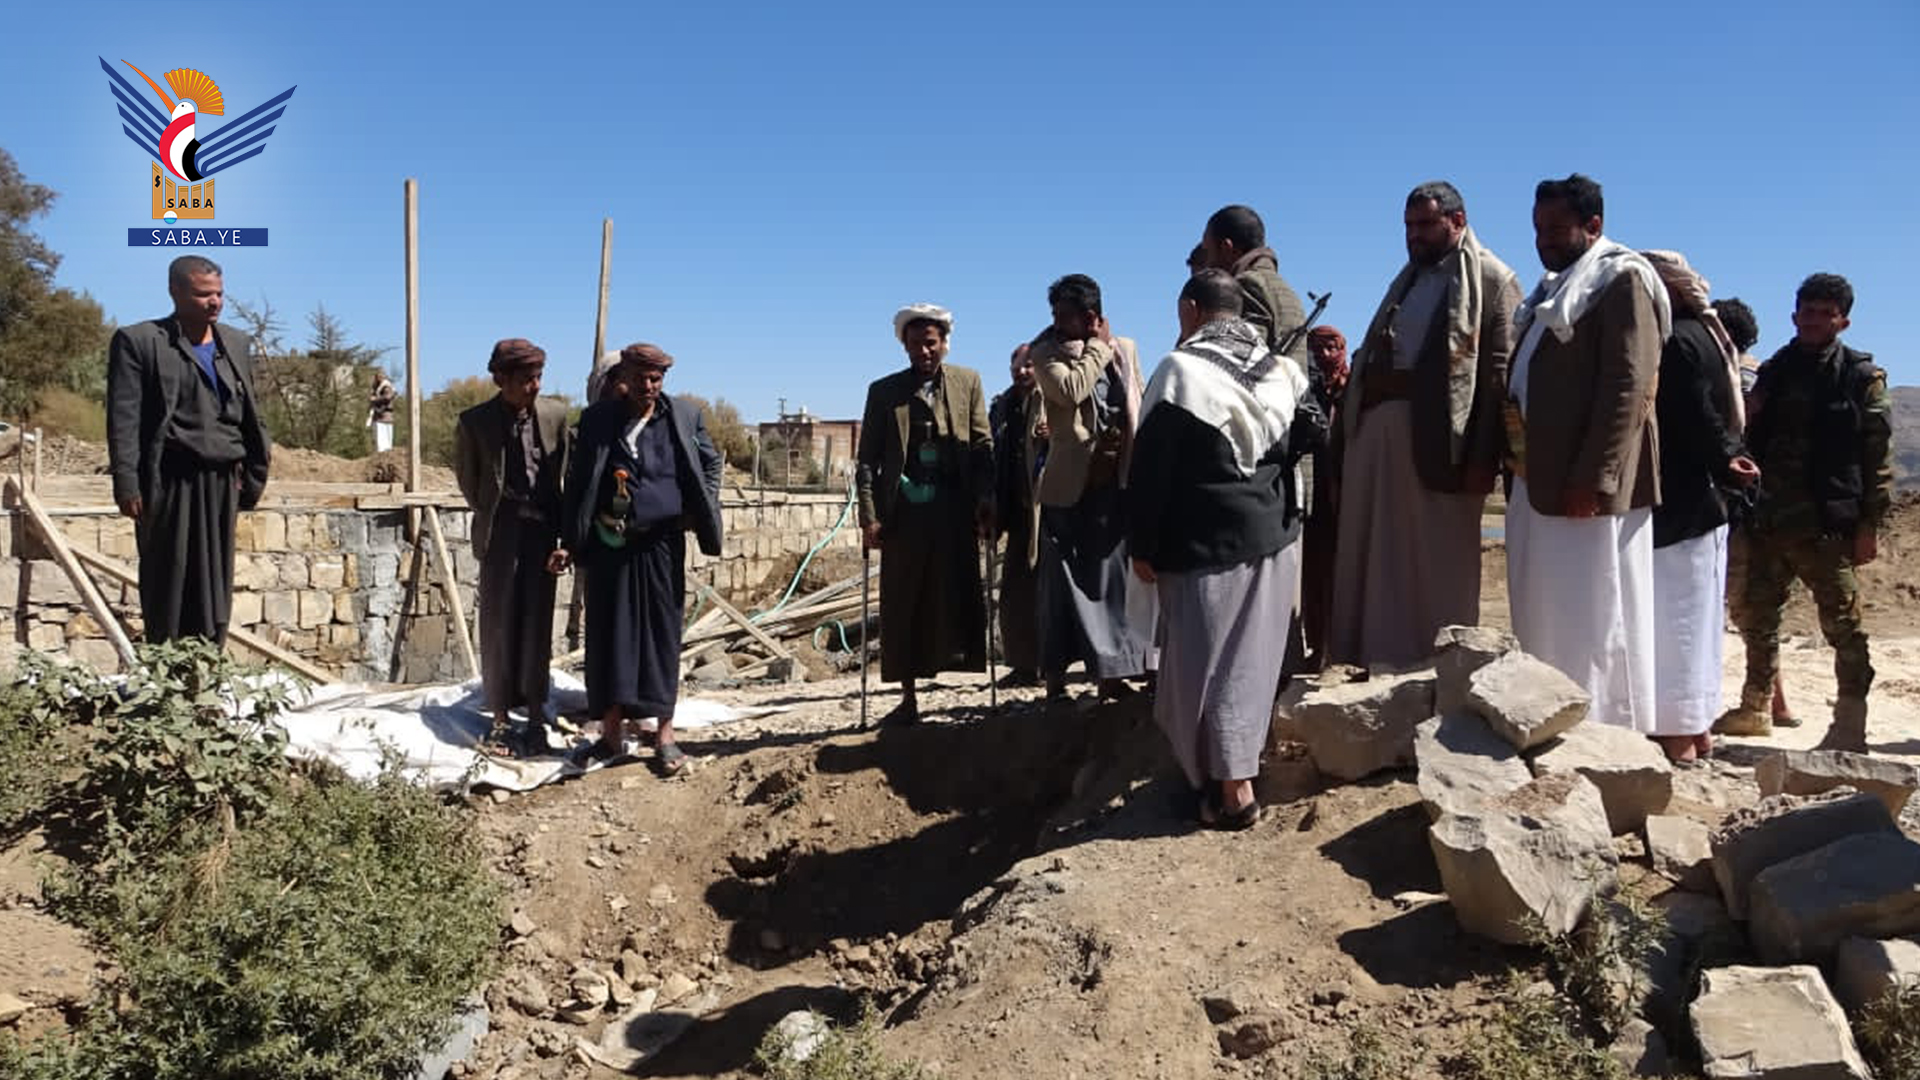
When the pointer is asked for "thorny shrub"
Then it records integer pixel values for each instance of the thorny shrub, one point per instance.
(1599, 983)
(1602, 968)
(1537, 1036)
(1367, 1057)
(1889, 1031)
(265, 922)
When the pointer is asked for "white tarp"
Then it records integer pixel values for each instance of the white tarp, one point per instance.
(434, 731)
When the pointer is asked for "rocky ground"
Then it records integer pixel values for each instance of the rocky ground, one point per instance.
(1019, 890)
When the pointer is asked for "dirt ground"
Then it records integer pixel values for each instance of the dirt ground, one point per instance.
(1018, 890)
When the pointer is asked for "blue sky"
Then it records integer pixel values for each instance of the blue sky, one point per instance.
(781, 176)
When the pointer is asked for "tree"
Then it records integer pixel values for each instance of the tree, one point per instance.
(729, 433)
(47, 333)
(314, 398)
(440, 415)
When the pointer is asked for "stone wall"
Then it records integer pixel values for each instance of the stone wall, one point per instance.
(331, 584)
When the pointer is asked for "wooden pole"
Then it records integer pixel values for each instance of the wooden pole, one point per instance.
(413, 342)
(457, 609)
(238, 636)
(96, 604)
(39, 440)
(576, 600)
(606, 278)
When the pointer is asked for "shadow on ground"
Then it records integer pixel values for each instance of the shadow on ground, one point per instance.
(995, 788)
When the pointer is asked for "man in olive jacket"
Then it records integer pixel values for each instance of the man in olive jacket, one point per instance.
(926, 498)
(187, 451)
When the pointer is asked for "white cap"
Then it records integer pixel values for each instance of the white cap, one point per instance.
(912, 312)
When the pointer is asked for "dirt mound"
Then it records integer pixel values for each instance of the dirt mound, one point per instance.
(312, 466)
(60, 455)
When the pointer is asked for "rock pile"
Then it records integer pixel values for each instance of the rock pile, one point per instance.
(1526, 799)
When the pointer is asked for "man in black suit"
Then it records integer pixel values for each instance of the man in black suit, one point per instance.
(187, 451)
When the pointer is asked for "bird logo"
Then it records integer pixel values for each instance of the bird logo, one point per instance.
(174, 140)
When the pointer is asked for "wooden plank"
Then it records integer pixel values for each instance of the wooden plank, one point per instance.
(445, 500)
(125, 576)
(89, 592)
(452, 584)
(39, 440)
(746, 624)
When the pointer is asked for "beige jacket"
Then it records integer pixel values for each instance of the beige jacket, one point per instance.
(1066, 374)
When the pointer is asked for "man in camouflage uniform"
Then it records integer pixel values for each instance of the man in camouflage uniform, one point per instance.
(1821, 428)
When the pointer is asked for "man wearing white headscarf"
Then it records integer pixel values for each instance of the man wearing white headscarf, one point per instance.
(1419, 439)
(1701, 417)
(1212, 521)
(1583, 447)
(925, 476)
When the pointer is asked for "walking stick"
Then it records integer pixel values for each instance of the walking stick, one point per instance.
(993, 682)
(866, 620)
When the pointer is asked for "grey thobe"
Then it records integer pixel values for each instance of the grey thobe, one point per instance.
(1407, 561)
(1082, 580)
(1224, 636)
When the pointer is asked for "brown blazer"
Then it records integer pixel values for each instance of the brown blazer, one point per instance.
(1589, 415)
(480, 459)
(1486, 436)
(882, 451)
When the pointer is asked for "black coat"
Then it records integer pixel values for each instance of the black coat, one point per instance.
(145, 363)
(698, 463)
(1694, 405)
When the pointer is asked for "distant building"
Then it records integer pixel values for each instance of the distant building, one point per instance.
(807, 439)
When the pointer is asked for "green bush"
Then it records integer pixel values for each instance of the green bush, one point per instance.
(347, 925)
(266, 922)
(170, 749)
(32, 730)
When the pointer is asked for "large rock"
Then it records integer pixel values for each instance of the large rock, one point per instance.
(1697, 933)
(1633, 774)
(1359, 728)
(1459, 651)
(1782, 828)
(1814, 772)
(1462, 764)
(1865, 969)
(1528, 701)
(1681, 848)
(1542, 850)
(1641, 1050)
(1773, 1024)
(1865, 886)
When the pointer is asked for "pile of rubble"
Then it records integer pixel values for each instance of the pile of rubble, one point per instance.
(1815, 886)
